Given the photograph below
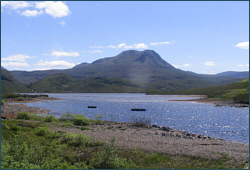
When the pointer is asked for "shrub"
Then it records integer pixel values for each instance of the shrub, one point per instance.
(47, 133)
(21, 153)
(42, 131)
(78, 140)
(67, 116)
(140, 121)
(24, 115)
(2, 102)
(50, 118)
(108, 159)
(80, 120)
(14, 128)
(98, 119)
(67, 124)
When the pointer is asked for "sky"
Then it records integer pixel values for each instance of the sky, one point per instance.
(205, 37)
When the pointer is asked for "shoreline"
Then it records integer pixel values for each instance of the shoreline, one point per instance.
(10, 109)
(216, 102)
(152, 138)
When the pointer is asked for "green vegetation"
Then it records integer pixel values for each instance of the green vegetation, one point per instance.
(35, 145)
(10, 85)
(238, 91)
(64, 83)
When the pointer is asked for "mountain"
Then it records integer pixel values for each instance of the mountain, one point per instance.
(144, 68)
(238, 74)
(63, 83)
(10, 85)
(81, 65)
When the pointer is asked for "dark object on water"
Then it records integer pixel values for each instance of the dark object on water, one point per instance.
(138, 109)
(91, 106)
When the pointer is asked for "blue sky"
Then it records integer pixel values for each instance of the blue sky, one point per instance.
(206, 37)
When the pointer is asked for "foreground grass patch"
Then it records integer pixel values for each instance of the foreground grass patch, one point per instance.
(33, 145)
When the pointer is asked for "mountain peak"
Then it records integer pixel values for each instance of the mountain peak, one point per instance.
(136, 58)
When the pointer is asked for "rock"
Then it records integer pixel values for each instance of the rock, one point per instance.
(155, 126)
(166, 128)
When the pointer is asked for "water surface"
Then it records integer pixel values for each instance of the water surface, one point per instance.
(224, 122)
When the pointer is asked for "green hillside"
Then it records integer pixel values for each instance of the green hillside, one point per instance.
(10, 85)
(238, 91)
(62, 83)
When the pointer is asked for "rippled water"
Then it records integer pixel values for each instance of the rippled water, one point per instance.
(223, 122)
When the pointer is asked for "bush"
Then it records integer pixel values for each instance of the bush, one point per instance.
(79, 140)
(66, 116)
(67, 124)
(42, 131)
(108, 159)
(21, 153)
(47, 133)
(2, 102)
(24, 115)
(50, 118)
(80, 120)
(140, 121)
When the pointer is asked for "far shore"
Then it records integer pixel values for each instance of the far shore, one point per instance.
(214, 101)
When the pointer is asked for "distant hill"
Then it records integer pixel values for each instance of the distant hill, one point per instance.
(146, 68)
(63, 83)
(238, 91)
(10, 85)
(238, 74)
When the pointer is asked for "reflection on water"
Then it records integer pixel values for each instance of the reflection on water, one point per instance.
(224, 122)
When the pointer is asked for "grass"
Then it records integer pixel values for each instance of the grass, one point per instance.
(238, 91)
(33, 145)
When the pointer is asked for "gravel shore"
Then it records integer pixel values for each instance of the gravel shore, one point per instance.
(165, 140)
(151, 138)
(13, 109)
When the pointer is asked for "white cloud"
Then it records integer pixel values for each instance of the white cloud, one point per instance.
(15, 4)
(15, 64)
(112, 46)
(243, 65)
(243, 45)
(95, 51)
(141, 45)
(210, 63)
(51, 64)
(18, 57)
(123, 45)
(56, 9)
(33, 13)
(159, 43)
(184, 65)
(96, 47)
(65, 54)
(63, 23)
